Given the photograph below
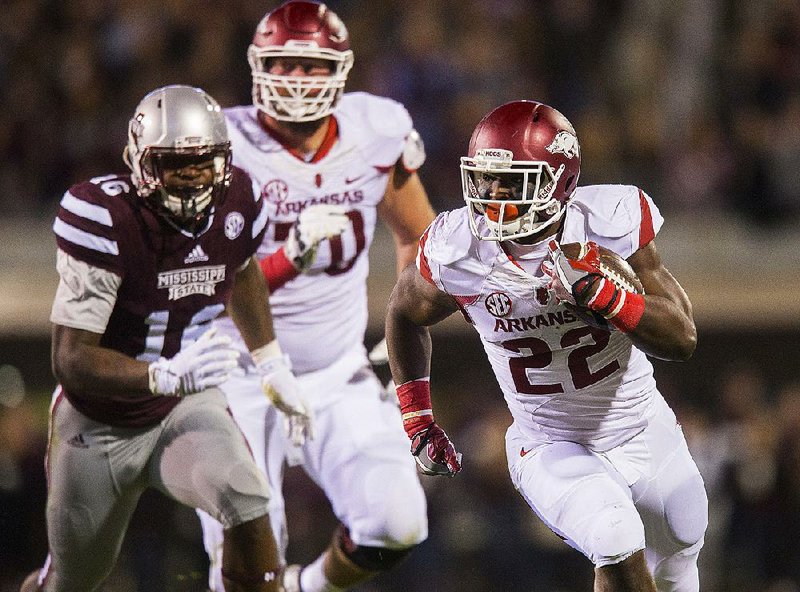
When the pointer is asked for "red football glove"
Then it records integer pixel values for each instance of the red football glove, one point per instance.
(587, 287)
(432, 449)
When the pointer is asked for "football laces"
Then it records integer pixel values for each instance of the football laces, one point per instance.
(616, 279)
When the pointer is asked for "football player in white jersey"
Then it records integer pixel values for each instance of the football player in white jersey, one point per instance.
(594, 449)
(329, 165)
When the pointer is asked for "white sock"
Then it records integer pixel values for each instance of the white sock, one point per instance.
(312, 578)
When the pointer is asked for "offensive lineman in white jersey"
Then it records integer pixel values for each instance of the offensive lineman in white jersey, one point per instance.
(594, 449)
(328, 164)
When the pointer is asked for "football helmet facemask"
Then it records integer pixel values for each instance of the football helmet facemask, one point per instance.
(522, 168)
(299, 29)
(179, 155)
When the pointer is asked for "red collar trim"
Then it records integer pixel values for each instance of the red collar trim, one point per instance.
(509, 255)
(327, 142)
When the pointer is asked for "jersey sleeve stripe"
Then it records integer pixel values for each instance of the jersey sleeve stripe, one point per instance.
(422, 260)
(85, 239)
(86, 210)
(646, 231)
(261, 220)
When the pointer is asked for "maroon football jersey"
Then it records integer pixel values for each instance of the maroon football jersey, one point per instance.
(173, 284)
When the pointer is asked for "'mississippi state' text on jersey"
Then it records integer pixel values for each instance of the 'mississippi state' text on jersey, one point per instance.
(562, 379)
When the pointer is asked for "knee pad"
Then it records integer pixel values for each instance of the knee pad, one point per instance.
(678, 572)
(396, 513)
(615, 534)
(370, 558)
(687, 513)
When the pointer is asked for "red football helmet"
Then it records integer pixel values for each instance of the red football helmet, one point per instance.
(523, 166)
(299, 29)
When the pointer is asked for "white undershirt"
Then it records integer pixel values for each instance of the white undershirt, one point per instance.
(85, 296)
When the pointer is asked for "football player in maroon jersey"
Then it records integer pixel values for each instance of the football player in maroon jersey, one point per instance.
(146, 261)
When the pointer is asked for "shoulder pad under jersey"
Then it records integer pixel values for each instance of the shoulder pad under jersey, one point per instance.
(377, 125)
(622, 218)
(93, 219)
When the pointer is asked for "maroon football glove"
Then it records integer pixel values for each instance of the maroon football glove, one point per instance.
(432, 449)
(434, 452)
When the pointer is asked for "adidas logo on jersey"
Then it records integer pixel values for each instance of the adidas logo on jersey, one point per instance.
(196, 255)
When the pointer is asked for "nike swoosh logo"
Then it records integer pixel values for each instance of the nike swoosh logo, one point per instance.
(523, 452)
(349, 180)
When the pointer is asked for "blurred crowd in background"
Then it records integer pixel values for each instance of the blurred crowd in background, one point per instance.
(696, 101)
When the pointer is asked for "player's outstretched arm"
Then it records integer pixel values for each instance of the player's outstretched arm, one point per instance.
(414, 305)
(406, 210)
(249, 309)
(81, 365)
(666, 329)
(298, 255)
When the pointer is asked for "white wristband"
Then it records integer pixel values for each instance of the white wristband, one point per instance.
(266, 352)
(152, 380)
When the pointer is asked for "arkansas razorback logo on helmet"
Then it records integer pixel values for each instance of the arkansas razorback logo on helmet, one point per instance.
(564, 143)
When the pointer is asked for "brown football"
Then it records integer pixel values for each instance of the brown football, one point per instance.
(613, 267)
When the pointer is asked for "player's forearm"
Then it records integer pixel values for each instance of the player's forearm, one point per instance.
(91, 370)
(665, 331)
(409, 347)
(406, 253)
(249, 307)
(277, 269)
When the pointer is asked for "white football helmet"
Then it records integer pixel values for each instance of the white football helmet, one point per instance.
(299, 29)
(179, 154)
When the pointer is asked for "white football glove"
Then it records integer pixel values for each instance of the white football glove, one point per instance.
(379, 355)
(562, 274)
(283, 389)
(315, 224)
(205, 363)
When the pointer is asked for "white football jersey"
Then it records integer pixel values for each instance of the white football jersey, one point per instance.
(322, 315)
(562, 379)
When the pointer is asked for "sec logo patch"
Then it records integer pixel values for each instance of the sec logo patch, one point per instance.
(234, 224)
(498, 304)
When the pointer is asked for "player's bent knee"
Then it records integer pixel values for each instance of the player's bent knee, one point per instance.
(616, 534)
(679, 573)
(401, 521)
(371, 557)
(244, 497)
(687, 513)
(406, 530)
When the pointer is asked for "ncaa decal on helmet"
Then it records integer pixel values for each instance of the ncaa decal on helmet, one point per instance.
(522, 167)
(179, 154)
(299, 29)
